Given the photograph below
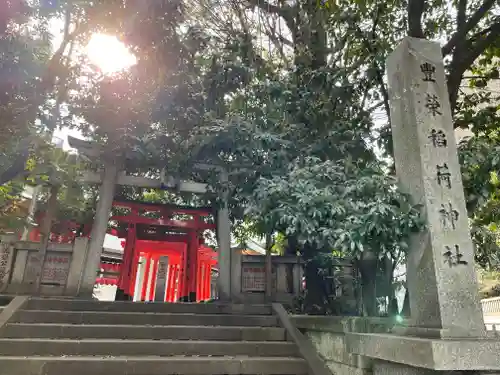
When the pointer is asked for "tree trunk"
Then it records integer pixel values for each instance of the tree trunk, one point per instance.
(315, 297)
(349, 302)
(291, 250)
(368, 270)
(314, 300)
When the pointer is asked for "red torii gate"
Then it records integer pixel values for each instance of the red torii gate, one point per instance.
(176, 277)
(188, 258)
(190, 262)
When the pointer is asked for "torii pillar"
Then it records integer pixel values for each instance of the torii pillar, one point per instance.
(224, 242)
(99, 228)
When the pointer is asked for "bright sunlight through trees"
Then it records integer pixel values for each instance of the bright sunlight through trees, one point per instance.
(109, 54)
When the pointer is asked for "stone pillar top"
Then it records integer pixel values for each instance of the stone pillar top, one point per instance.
(441, 276)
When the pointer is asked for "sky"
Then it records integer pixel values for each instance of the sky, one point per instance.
(106, 52)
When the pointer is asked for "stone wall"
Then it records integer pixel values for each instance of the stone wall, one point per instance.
(61, 273)
(248, 280)
(327, 334)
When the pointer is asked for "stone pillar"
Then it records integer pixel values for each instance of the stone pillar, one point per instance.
(45, 231)
(7, 251)
(224, 242)
(236, 258)
(103, 209)
(77, 266)
(440, 274)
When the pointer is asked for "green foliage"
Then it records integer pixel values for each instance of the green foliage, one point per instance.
(10, 201)
(50, 166)
(337, 205)
(480, 171)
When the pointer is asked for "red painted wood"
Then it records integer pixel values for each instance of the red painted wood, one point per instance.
(152, 283)
(202, 211)
(170, 281)
(192, 266)
(126, 275)
(145, 281)
(208, 281)
(177, 283)
(186, 252)
(182, 224)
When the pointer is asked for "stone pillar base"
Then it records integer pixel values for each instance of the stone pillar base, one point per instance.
(436, 333)
(390, 368)
(470, 354)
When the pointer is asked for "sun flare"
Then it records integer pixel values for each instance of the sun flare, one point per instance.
(109, 54)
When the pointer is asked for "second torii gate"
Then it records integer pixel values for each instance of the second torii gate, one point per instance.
(111, 176)
(136, 241)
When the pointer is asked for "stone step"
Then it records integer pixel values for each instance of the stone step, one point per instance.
(127, 318)
(72, 331)
(158, 307)
(160, 348)
(152, 366)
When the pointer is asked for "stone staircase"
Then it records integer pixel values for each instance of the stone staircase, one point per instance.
(78, 337)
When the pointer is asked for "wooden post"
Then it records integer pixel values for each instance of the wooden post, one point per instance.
(145, 281)
(177, 281)
(152, 283)
(170, 282)
(208, 279)
(182, 276)
(192, 267)
(126, 283)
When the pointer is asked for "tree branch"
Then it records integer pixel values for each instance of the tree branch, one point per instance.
(276, 39)
(415, 11)
(287, 12)
(478, 77)
(462, 32)
(379, 72)
(265, 5)
(479, 47)
(459, 66)
(485, 31)
(461, 13)
(375, 106)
